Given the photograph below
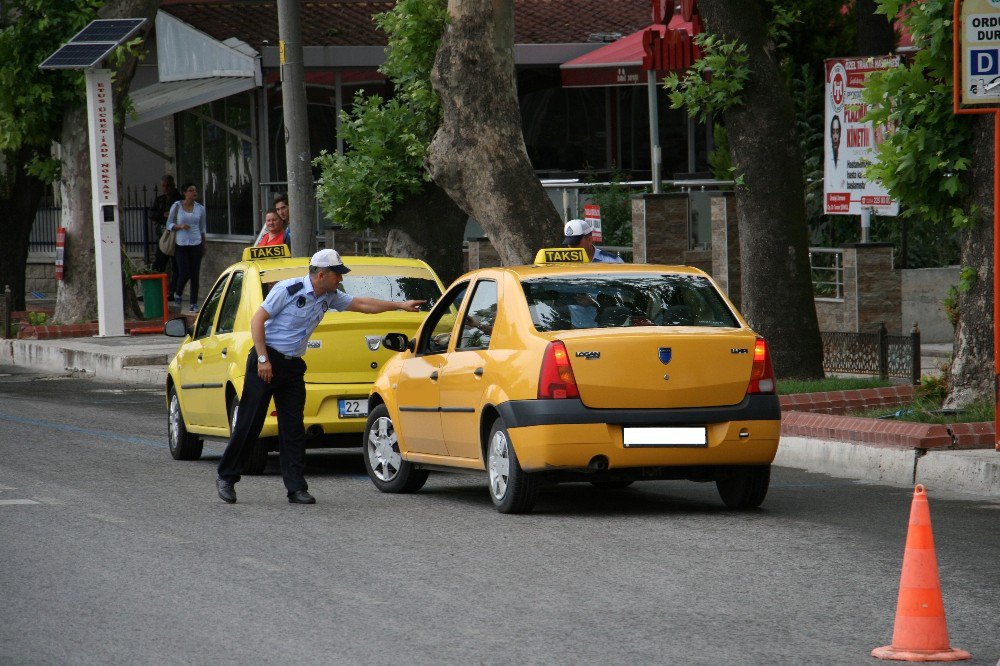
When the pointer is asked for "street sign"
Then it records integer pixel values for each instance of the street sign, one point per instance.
(980, 48)
(592, 213)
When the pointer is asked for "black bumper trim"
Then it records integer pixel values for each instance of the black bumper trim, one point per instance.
(524, 413)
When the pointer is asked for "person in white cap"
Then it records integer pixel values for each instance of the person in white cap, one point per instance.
(280, 330)
(580, 233)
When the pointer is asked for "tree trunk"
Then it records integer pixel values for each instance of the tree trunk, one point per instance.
(972, 375)
(20, 201)
(875, 35)
(76, 300)
(777, 297)
(478, 155)
(430, 227)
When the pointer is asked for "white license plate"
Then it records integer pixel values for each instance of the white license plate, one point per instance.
(352, 407)
(637, 437)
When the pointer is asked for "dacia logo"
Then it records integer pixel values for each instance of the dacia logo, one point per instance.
(739, 350)
(589, 355)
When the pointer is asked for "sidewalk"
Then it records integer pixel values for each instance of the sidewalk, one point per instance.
(143, 360)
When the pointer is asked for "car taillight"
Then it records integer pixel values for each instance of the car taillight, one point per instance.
(556, 378)
(762, 374)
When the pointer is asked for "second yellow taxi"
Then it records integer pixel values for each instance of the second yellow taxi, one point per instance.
(555, 372)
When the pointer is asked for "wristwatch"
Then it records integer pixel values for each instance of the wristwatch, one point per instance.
(262, 358)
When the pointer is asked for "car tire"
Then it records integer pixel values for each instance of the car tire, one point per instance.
(511, 488)
(257, 460)
(183, 445)
(383, 460)
(612, 485)
(744, 487)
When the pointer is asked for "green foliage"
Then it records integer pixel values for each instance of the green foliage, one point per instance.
(966, 278)
(32, 101)
(37, 318)
(924, 162)
(702, 94)
(616, 209)
(719, 159)
(387, 140)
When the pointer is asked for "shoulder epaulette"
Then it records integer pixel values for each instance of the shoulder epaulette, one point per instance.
(294, 288)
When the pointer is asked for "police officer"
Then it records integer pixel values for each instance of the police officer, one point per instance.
(280, 330)
(580, 233)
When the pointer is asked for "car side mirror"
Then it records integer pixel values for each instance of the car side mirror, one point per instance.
(396, 342)
(176, 327)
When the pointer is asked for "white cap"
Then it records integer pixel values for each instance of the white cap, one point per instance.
(329, 259)
(575, 230)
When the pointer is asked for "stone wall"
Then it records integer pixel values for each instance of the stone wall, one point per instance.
(481, 254)
(923, 291)
(872, 293)
(659, 228)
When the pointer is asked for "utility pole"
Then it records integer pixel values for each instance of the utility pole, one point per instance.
(301, 195)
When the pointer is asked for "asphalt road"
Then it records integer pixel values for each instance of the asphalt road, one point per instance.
(112, 552)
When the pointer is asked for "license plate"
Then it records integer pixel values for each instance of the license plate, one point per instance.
(353, 407)
(639, 437)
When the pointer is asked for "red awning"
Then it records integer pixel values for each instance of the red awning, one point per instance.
(620, 62)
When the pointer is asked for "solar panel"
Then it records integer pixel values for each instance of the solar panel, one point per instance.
(92, 44)
(78, 56)
(107, 30)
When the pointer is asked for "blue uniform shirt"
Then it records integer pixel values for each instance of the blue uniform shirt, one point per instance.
(605, 257)
(295, 311)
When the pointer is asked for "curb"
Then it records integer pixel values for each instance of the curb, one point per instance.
(63, 356)
(970, 471)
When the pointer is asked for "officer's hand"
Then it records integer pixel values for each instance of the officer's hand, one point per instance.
(412, 306)
(265, 371)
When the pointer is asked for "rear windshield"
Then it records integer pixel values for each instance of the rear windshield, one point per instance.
(385, 283)
(624, 300)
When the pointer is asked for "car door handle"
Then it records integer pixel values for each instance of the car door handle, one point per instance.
(224, 352)
(199, 358)
(478, 372)
(434, 376)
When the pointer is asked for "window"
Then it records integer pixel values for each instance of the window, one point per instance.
(230, 304)
(477, 326)
(216, 152)
(623, 300)
(203, 326)
(436, 332)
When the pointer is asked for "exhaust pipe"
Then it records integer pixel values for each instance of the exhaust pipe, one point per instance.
(598, 463)
(314, 431)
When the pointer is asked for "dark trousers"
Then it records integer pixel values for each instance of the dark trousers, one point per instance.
(188, 268)
(288, 388)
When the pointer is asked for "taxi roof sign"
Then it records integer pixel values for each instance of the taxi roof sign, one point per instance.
(561, 255)
(266, 252)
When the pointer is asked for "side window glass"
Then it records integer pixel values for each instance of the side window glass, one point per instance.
(436, 332)
(477, 325)
(230, 304)
(203, 326)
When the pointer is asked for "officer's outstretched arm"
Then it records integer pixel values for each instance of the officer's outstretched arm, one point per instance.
(374, 305)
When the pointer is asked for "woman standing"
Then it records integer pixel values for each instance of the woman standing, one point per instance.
(187, 217)
(275, 232)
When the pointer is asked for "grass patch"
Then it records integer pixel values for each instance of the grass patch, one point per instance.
(928, 410)
(790, 386)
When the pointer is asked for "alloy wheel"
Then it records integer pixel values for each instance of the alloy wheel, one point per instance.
(499, 465)
(383, 450)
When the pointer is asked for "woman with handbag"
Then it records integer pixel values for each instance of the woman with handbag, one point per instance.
(187, 219)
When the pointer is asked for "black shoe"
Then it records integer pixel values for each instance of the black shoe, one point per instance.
(298, 497)
(226, 491)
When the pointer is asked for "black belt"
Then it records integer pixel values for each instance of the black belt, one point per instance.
(271, 351)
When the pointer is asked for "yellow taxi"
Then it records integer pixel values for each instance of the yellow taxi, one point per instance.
(205, 378)
(569, 371)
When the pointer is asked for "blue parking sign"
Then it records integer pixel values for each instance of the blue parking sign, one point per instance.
(985, 61)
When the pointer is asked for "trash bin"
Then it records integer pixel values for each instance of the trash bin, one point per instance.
(152, 299)
(153, 288)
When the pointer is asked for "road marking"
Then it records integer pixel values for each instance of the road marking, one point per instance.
(100, 434)
(3, 487)
(17, 501)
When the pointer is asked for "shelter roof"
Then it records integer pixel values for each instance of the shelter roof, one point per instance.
(349, 22)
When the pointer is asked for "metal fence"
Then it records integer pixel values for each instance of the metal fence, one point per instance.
(875, 353)
(827, 269)
(133, 212)
(6, 305)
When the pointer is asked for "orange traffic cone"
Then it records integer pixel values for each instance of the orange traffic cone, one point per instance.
(921, 633)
